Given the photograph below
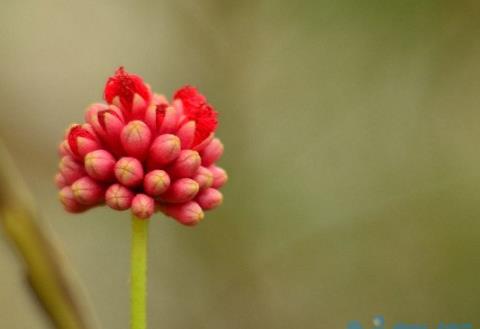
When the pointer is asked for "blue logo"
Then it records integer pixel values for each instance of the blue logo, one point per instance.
(379, 323)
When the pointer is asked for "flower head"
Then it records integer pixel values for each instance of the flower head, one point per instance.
(141, 152)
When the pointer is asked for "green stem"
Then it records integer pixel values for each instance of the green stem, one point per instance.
(139, 273)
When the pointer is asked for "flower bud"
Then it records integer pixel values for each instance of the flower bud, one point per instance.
(81, 141)
(165, 148)
(118, 197)
(161, 119)
(87, 191)
(99, 164)
(136, 137)
(181, 190)
(68, 200)
(203, 177)
(107, 122)
(212, 152)
(188, 213)
(220, 176)
(70, 169)
(60, 181)
(209, 198)
(129, 171)
(143, 206)
(186, 133)
(156, 182)
(64, 149)
(186, 165)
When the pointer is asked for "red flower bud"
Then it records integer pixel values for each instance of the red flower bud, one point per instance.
(136, 137)
(180, 191)
(99, 164)
(212, 152)
(129, 171)
(164, 149)
(143, 206)
(209, 198)
(118, 197)
(189, 213)
(70, 169)
(203, 177)
(220, 176)
(68, 200)
(156, 182)
(87, 191)
(186, 165)
(82, 141)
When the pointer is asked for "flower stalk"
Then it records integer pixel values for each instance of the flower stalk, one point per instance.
(138, 276)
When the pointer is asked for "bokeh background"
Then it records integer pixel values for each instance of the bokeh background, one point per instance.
(352, 133)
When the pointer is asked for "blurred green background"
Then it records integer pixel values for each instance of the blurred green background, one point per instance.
(351, 131)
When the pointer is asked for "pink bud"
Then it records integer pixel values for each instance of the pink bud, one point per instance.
(156, 182)
(129, 171)
(220, 176)
(64, 149)
(68, 200)
(70, 169)
(91, 113)
(165, 148)
(118, 197)
(143, 206)
(186, 133)
(209, 198)
(81, 140)
(188, 213)
(87, 191)
(181, 191)
(212, 152)
(60, 181)
(99, 164)
(107, 122)
(186, 165)
(139, 106)
(161, 118)
(203, 177)
(169, 122)
(136, 137)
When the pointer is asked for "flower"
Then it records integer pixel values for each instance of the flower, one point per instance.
(143, 153)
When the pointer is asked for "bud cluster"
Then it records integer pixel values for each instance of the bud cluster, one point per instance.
(143, 153)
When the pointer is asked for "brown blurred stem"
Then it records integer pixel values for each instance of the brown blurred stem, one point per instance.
(45, 272)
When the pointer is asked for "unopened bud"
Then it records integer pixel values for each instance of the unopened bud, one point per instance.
(70, 169)
(189, 213)
(136, 138)
(99, 164)
(87, 191)
(180, 191)
(165, 148)
(156, 182)
(118, 197)
(212, 152)
(209, 198)
(203, 177)
(143, 206)
(129, 171)
(186, 133)
(220, 176)
(69, 202)
(186, 165)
